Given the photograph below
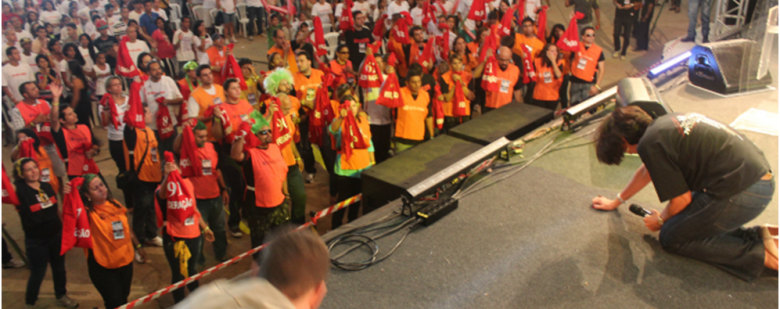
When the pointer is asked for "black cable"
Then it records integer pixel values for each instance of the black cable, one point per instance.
(410, 224)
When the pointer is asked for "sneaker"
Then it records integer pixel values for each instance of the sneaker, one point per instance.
(309, 178)
(235, 232)
(67, 302)
(13, 263)
(251, 38)
(688, 39)
(262, 35)
(233, 39)
(157, 241)
(615, 54)
(139, 258)
(622, 57)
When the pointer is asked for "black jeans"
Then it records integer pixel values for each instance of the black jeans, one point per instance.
(642, 35)
(144, 217)
(304, 148)
(348, 187)
(256, 16)
(563, 92)
(165, 145)
(234, 179)
(112, 284)
(194, 245)
(380, 136)
(212, 212)
(710, 230)
(40, 253)
(551, 105)
(329, 158)
(116, 149)
(622, 28)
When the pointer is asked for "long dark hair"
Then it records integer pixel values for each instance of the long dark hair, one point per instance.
(77, 54)
(166, 28)
(467, 58)
(140, 65)
(553, 38)
(84, 193)
(543, 54)
(90, 47)
(76, 70)
(31, 134)
(195, 27)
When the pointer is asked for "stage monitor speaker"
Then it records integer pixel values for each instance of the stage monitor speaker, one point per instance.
(511, 121)
(405, 171)
(727, 67)
(641, 92)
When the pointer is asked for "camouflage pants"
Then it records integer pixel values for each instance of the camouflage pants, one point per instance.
(261, 220)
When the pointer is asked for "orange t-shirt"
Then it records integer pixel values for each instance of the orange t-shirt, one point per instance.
(287, 152)
(237, 113)
(292, 65)
(207, 185)
(306, 87)
(111, 244)
(269, 172)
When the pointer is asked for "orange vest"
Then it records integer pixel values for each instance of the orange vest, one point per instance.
(447, 106)
(207, 185)
(410, 123)
(547, 86)
(111, 246)
(338, 70)
(217, 60)
(292, 65)
(414, 53)
(237, 113)
(205, 100)
(360, 158)
(585, 62)
(47, 172)
(151, 170)
(30, 112)
(402, 67)
(74, 139)
(473, 47)
(270, 172)
(189, 228)
(507, 81)
(306, 88)
(535, 44)
(566, 62)
(287, 152)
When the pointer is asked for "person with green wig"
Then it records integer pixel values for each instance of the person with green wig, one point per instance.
(188, 83)
(265, 172)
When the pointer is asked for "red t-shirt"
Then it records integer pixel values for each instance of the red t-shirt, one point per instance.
(164, 46)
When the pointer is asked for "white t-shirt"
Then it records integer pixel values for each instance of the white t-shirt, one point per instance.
(91, 30)
(14, 76)
(393, 8)
(135, 16)
(202, 56)
(209, 4)
(163, 15)
(339, 8)
(117, 134)
(185, 51)
(30, 60)
(52, 17)
(228, 5)
(531, 6)
(417, 16)
(254, 3)
(63, 65)
(100, 83)
(364, 7)
(192, 106)
(323, 11)
(166, 87)
(24, 34)
(6, 45)
(136, 49)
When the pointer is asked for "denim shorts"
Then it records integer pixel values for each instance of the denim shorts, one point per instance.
(228, 18)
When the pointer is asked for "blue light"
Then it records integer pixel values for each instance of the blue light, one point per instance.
(668, 64)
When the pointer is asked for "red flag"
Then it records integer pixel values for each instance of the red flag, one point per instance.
(124, 63)
(323, 113)
(320, 48)
(188, 160)
(570, 40)
(134, 116)
(164, 121)
(370, 76)
(520, 10)
(352, 137)
(477, 11)
(9, 194)
(490, 80)
(505, 27)
(227, 125)
(443, 41)
(233, 70)
(27, 149)
(346, 22)
(379, 26)
(438, 109)
(250, 140)
(108, 103)
(541, 25)
(427, 58)
(400, 31)
(180, 202)
(530, 72)
(459, 104)
(454, 7)
(75, 224)
(280, 131)
(429, 14)
(291, 9)
(489, 44)
(390, 94)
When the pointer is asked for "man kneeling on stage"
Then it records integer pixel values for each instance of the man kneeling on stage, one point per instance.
(714, 178)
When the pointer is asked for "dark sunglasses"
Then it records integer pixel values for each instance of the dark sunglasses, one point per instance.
(589, 35)
(344, 52)
(263, 132)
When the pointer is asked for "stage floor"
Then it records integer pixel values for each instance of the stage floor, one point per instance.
(533, 241)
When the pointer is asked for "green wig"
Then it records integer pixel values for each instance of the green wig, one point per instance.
(272, 81)
(199, 126)
(260, 121)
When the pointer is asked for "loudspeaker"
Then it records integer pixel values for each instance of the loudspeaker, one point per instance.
(511, 121)
(641, 92)
(727, 67)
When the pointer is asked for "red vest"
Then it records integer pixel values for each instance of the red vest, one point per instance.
(77, 141)
(30, 112)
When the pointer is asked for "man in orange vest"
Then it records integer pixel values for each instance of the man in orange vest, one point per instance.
(587, 68)
(307, 80)
(415, 50)
(207, 94)
(523, 43)
(411, 125)
(218, 56)
(282, 47)
(508, 75)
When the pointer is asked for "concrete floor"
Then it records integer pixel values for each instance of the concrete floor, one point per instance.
(155, 274)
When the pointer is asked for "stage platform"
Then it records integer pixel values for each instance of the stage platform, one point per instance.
(532, 240)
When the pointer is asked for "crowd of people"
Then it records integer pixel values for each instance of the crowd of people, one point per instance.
(402, 73)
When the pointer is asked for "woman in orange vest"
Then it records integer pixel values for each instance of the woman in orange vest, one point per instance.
(549, 76)
(342, 68)
(110, 261)
(474, 46)
(469, 61)
(42, 158)
(459, 112)
(555, 35)
(77, 145)
(348, 170)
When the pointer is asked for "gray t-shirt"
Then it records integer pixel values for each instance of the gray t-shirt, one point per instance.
(585, 7)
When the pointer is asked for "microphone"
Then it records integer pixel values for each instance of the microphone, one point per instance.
(638, 210)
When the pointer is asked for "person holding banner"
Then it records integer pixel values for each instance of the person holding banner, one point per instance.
(76, 142)
(110, 259)
(42, 232)
(29, 146)
(162, 92)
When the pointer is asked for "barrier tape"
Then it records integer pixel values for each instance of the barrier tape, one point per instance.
(157, 294)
